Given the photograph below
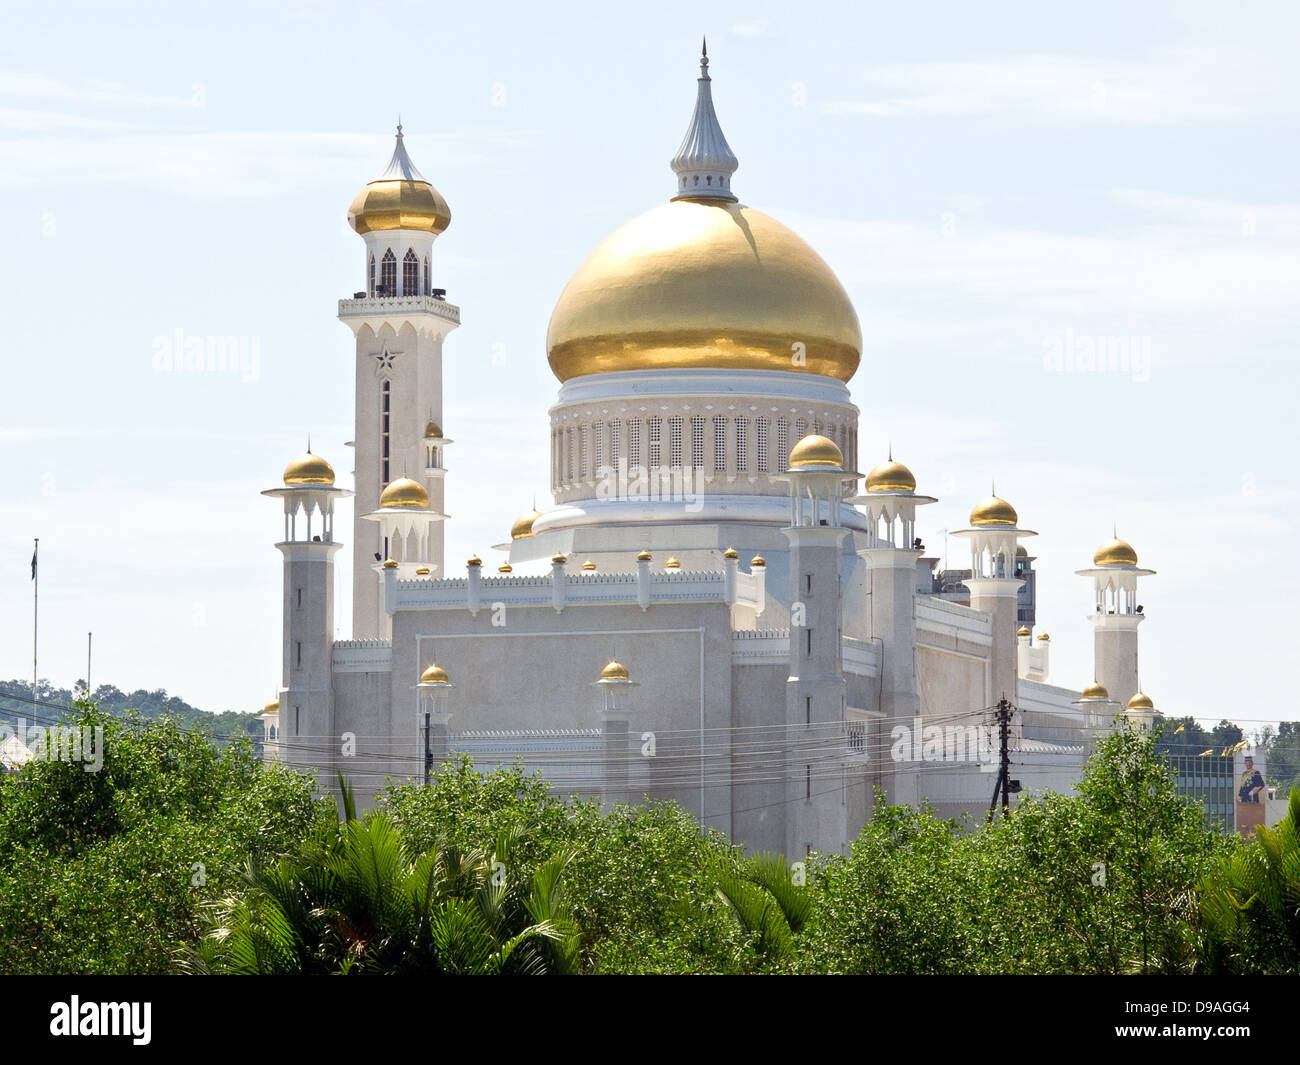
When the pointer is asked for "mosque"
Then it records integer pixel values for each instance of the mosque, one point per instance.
(717, 608)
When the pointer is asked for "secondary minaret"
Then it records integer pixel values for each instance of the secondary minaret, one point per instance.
(1118, 614)
(891, 501)
(815, 740)
(400, 322)
(994, 587)
(305, 729)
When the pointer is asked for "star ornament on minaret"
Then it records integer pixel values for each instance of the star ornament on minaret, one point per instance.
(384, 360)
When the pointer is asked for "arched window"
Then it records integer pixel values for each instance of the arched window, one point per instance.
(388, 274)
(385, 425)
(720, 443)
(697, 442)
(598, 446)
(675, 442)
(615, 442)
(410, 274)
(742, 445)
(372, 274)
(634, 444)
(761, 443)
(428, 275)
(584, 451)
(656, 441)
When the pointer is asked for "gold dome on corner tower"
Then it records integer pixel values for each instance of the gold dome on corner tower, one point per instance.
(405, 492)
(614, 671)
(891, 476)
(522, 529)
(399, 198)
(308, 469)
(815, 450)
(992, 510)
(1094, 690)
(1115, 552)
(704, 282)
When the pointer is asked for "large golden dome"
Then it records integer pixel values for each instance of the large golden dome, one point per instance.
(400, 198)
(710, 284)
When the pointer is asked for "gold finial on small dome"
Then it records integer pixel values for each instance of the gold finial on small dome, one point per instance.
(644, 556)
(390, 563)
(615, 671)
(992, 510)
(1023, 631)
(435, 674)
(474, 561)
(1115, 552)
(404, 492)
(308, 469)
(816, 450)
(1095, 690)
(891, 476)
(399, 198)
(272, 708)
(522, 529)
(672, 563)
(423, 571)
(731, 552)
(1044, 637)
(505, 568)
(589, 565)
(1141, 701)
(757, 560)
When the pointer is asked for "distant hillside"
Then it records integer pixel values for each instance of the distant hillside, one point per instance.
(16, 702)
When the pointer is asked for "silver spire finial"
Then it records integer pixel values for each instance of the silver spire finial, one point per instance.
(705, 162)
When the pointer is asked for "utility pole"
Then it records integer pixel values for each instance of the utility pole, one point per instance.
(1004, 785)
(428, 751)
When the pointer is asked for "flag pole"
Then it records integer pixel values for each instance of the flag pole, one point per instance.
(89, 637)
(36, 597)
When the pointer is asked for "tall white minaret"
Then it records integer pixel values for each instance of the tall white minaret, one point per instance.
(891, 501)
(1116, 617)
(815, 737)
(400, 321)
(306, 732)
(994, 587)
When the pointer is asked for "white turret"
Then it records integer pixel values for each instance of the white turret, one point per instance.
(704, 162)
(1117, 615)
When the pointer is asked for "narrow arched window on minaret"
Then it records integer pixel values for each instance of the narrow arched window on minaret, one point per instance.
(410, 274)
(428, 278)
(388, 274)
(372, 275)
(385, 418)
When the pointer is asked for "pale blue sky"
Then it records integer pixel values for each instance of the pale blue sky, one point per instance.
(985, 180)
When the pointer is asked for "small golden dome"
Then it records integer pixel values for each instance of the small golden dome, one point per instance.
(614, 671)
(432, 431)
(815, 450)
(1022, 631)
(400, 198)
(716, 285)
(522, 529)
(434, 675)
(1141, 702)
(272, 708)
(731, 552)
(474, 561)
(757, 560)
(891, 476)
(308, 469)
(1095, 691)
(423, 571)
(558, 559)
(1115, 552)
(993, 511)
(589, 565)
(1022, 551)
(672, 563)
(1044, 637)
(390, 563)
(507, 568)
(644, 556)
(405, 492)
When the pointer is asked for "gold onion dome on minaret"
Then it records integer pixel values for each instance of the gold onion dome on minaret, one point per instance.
(1095, 691)
(816, 450)
(272, 708)
(308, 469)
(435, 674)
(891, 476)
(1115, 552)
(522, 529)
(405, 492)
(432, 431)
(704, 282)
(1141, 701)
(399, 198)
(992, 510)
(614, 671)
